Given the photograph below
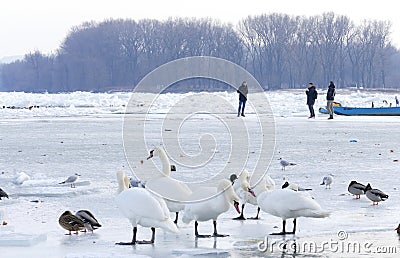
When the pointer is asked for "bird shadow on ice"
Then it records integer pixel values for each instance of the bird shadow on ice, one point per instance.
(81, 238)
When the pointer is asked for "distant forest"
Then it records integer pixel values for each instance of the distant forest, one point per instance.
(281, 51)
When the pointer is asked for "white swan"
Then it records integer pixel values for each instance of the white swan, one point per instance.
(286, 204)
(210, 208)
(173, 191)
(268, 184)
(241, 186)
(142, 208)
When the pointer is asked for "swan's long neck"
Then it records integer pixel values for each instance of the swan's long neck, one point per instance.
(166, 166)
(121, 181)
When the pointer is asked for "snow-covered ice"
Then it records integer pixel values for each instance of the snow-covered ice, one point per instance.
(82, 133)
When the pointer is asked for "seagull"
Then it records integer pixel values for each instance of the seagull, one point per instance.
(284, 163)
(136, 183)
(356, 188)
(88, 219)
(327, 181)
(71, 180)
(375, 195)
(294, 187)
(3, 194)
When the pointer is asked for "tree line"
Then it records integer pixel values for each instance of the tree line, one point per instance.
(281, 51)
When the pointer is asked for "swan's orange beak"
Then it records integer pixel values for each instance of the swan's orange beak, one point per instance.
(252, 192)
(236, 205)
(151, 154)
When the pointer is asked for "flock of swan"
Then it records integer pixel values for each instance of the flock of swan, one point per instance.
(142, 207)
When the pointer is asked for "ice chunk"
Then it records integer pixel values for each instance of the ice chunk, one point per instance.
(20, 178)
(19, 239)
(100, 255)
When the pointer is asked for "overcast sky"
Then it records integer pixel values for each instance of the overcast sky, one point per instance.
(29, 25)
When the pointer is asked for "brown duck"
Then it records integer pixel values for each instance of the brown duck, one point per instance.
(70, 222)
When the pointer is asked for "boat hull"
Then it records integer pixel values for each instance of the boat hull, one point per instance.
(357, 111)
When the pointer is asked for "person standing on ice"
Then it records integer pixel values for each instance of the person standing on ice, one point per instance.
(243, 90)
(312, 95)
(397, 101)
(330, 97)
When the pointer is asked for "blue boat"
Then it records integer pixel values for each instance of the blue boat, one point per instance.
(359, 111)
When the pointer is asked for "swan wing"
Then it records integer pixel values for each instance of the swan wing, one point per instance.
(300, 200)
(169, 188)
(138, 203)
(206, 209)
(286, 199)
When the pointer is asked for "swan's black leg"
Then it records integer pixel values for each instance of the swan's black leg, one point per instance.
(133, 239)
(258, 212)
(241, 217)
(283, 229)
(151, 241)
(196, 233)
(215, 234)
(294, 227)
(176, 218)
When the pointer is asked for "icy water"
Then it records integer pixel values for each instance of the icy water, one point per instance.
(49, 149)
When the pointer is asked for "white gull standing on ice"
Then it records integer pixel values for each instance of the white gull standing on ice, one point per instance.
(327, 181)
(71, 180)
(285, 163)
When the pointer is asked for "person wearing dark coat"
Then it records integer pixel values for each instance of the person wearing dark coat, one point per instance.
(330, 97)
(243, 90)
(312, 95)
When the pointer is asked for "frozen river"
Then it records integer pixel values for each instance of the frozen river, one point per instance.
(50, 148)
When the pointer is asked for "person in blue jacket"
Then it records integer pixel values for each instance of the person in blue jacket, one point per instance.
(312, 95)
(243, 90)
